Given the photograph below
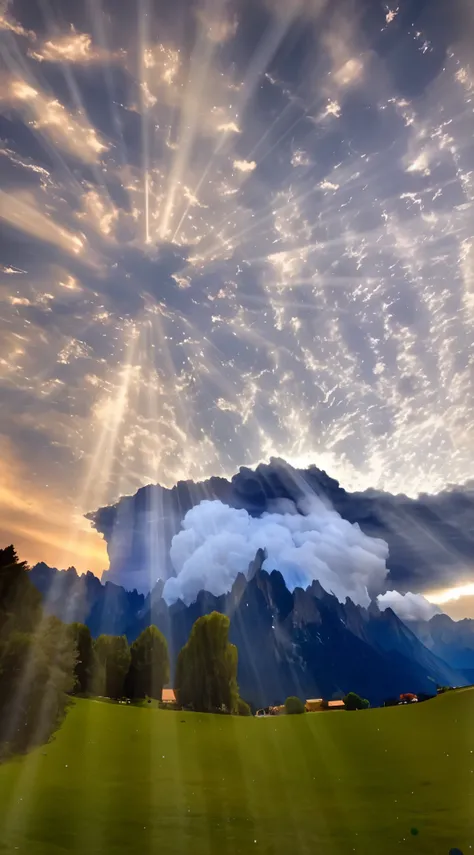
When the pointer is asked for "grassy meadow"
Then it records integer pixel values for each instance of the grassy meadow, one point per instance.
(123, 779)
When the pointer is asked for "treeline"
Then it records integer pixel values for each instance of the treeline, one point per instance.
(43, 661)
(206, 669)
(109, 667)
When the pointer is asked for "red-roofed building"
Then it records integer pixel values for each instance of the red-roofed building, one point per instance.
(408, 698)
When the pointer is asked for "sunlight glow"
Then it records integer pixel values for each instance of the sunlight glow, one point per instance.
(451, 594)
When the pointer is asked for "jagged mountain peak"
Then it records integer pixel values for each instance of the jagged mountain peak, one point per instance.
(304, 642)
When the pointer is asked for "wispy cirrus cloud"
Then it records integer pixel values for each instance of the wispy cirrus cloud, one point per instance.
(73, 47)
(69, 130)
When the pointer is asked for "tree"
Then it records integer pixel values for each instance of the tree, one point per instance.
(37, 660)
(243, 708)
(149, 666)
(111, 664)
(206, 670)
(81, 636)
(36, 675)
(352, 701)
(294, 706)
(20, 602)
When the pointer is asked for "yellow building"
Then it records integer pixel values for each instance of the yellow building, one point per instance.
(314, 705)
(319, 704)
(168, 696)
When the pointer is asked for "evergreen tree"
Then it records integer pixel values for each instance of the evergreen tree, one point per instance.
(20, 602)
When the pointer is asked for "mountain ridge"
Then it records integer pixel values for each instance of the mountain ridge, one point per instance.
(290, 642)
(450, 640)
(300, 642)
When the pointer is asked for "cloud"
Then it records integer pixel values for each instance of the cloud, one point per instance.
(165, 62)
(421, 558)
(228, 128)
(293, 319)
(328, 185)
(453, 594)
(300, 158)
(333, 108)
(218, 542)
(69, 131)
(10, 25)
(349, 72)
(245, 165)
(391, 15)
(420, 164)
(98, 211)
(408, 606)
(219, 26)
(347, 62)
(72, 47)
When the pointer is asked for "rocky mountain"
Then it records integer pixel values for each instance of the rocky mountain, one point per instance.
(430, 539)
(450, 640)
(305, 642)
(106, 608)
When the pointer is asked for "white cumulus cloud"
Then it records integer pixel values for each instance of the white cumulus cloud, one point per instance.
(407, 606)
(245, 165)
(218, 542)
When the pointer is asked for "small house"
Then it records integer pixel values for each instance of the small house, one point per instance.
(168, 696)
(314, 704)
(336, 705)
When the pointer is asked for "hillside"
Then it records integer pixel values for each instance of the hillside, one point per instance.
(122, 779)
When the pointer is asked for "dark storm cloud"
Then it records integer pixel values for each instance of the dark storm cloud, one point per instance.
(430, 540)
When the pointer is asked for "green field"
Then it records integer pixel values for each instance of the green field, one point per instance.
(122, 779)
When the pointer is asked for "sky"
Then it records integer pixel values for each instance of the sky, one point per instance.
(230, 230)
